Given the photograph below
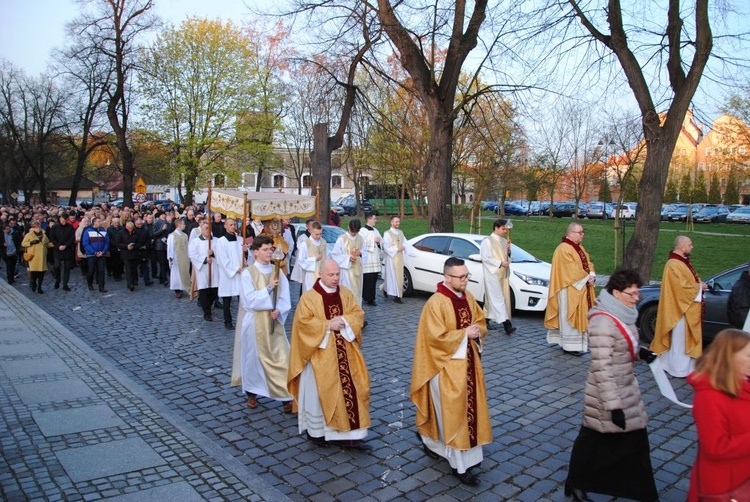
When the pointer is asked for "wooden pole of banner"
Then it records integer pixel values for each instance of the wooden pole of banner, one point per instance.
(210, 233)
(244, 230)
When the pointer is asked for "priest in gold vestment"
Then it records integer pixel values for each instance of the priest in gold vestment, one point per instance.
(261, 349)
(327, 374)
(447, 383)
(571, 293)
(678, 336)
(349, 253)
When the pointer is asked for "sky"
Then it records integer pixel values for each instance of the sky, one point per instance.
(30, 29)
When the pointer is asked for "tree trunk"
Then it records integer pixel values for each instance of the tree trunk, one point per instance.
(320, 158)
(639, 253)
(438, 173)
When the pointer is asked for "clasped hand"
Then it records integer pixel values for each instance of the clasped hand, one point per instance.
(473, 331)
(336, 324)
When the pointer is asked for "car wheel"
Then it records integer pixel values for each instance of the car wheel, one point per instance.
(408, 287)
(647, 322)
(512, 302)
(604, 216)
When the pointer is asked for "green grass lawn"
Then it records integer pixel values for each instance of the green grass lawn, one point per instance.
(717, 246)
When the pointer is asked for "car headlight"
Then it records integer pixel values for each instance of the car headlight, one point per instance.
(533, 281)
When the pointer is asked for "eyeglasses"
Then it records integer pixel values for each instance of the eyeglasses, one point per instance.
(578, 232)
(460, 277)
(633, 294)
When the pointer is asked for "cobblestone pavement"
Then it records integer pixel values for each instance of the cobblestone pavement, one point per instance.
(535, 395)
(74, 428)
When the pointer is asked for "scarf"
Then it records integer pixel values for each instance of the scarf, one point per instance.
(608, 303)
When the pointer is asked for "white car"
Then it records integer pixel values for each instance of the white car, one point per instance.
(424, 259)
(627, 210)
(741, 215)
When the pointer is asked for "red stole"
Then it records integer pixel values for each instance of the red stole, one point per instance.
(463, 320)
(333, 307)
(585, 264)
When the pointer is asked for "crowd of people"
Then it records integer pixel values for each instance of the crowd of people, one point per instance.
(319, 372)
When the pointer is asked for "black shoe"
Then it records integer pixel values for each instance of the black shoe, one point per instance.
(131, 288)
(355, 444)
(39, 290)
(229, 325)
(208, 317)
(385, 294)
(33, 287)
(66, 288)
(364, 324)
(397, 299)
(467, 478)
(149, 283)
(102, 290)
(576, 494)
(509, 328)
(372, 304)
(57, 285)
(577, 353)
(317, 441)
(91, 287)
(426, 450)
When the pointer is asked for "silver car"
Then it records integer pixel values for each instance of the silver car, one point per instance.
(741, 215)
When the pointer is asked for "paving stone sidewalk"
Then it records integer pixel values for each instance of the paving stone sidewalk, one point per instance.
(535, 394)
(75, 428)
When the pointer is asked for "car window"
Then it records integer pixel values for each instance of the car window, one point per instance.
(331, 234)
(432, 244)
(461, 248)
(726, 281)
(518, 255)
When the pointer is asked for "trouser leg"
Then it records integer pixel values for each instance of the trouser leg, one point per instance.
(56, 264)
(90, 270)
(163, 266)
(66, 265)
(101, 270)
(227, 302)
(10, 265)
(205, 301)
(369, 281)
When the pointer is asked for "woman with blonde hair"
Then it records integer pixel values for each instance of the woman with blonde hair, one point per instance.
(721, 409)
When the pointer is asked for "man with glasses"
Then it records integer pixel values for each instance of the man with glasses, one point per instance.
(678, 336)
(571, 293)
(447, 383)
(495, 252)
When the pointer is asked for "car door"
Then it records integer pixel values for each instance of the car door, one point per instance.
(425, 262)
(716, 301)
(462, 248)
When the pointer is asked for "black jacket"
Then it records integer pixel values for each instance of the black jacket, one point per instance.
(63, 235)
(126, 238)
(738, 303)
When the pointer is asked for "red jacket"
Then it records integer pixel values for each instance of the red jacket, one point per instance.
(723, 424)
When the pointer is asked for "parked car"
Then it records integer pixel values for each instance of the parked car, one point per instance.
(424, 259)
(599, 210)
(741, 215)
(715, 319)
(489, 205)
(330, 235)
(734, 207)
(511, 209)
(711, 214)
(627, 210)
(666, 209)
(680, 213)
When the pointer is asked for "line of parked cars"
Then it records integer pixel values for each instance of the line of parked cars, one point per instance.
(706, 213)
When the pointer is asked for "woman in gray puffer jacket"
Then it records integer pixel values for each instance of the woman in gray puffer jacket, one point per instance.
(611, 453)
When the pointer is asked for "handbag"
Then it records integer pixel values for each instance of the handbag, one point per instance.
(28, 256)
(739, 494)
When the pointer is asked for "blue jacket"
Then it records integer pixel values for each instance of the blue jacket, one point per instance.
(95, 240)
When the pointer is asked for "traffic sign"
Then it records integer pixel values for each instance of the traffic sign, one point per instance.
(140, 198)
(14, 195)
(140, 186)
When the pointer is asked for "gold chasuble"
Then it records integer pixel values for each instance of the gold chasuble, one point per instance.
(499, 247)
(352, 244)
(273, 348)
(463, 397)
(679, 289)
(313, 250)
(570, 264)
(397, 239)
(340, 372)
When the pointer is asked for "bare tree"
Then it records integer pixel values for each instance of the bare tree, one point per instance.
(113, 28)
(87, 73)
(675, 42)
(32, 112)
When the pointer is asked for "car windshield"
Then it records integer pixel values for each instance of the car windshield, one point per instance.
(743, 210)
(331, 234)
